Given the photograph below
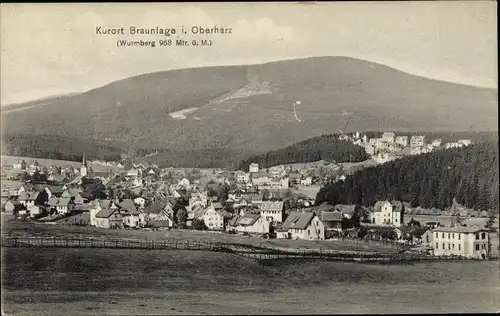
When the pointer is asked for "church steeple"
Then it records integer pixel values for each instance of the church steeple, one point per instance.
(83, 168)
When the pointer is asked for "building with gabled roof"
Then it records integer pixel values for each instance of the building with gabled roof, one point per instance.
(272, 211)
(250, 223)
(469, 242)
(304, 225)
(109, 218)
(386, 213)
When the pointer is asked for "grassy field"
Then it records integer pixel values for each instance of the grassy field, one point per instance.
(40, 229)
(118, 282)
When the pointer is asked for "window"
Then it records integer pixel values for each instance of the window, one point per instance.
(459, 235)
(437, 246)
(442, 235)
(477, 247)
(459, 246)
(437, 235)
(448, 235)
(453, 246)
(477, 236)
(452, 236)
(483, 236)
(443, 246)
(449, 246)
(308, 231)
(396, 220)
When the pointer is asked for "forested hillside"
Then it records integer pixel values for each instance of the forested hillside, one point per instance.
(325, 147)
(468, 174)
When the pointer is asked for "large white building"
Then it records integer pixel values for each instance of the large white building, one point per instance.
(272, 211)
(387, 213)
(470, 242)
(402, 140)
(254, 167)
(388, 137)
(417, 141)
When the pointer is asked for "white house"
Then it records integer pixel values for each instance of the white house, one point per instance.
(388, 137)
(214, 217)
(272, 211)
(470, 242)
(386, 213)
(252, 223)
(417, 141)
(254, 167)
(402, 140)
(304, 225)
(307, 181)
(140, 201)
(465, 142)
(98, 205)
(242, 177)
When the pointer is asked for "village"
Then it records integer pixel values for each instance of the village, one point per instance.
(258, 203)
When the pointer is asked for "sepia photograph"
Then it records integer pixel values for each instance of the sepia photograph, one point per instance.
(249, 158)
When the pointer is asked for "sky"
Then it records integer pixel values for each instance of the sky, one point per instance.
(49, 49)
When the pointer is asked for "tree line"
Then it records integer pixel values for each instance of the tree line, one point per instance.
(468, 174)
(325, 147)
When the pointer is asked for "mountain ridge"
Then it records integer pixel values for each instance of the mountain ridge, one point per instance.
(137, 110)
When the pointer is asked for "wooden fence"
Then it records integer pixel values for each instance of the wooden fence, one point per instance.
(254, 252)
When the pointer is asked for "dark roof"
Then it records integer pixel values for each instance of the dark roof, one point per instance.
(298, 220)
(55, 189)
(248, 219)
(331, 216)
(129, 206)
(28, 196)
(154, 208)
(217, 205)
(106, 213)
(345, 209)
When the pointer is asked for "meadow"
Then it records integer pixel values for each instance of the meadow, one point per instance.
(56, 281)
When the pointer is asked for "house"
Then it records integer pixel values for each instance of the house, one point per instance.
(402, 140)
(253, 224)
(29, 199)
(214, 216)
(332, 220)
(278, 171)
(347, 210)
(96, 206)
(242, 177)
(131, 216)
(272, 211)
(469, 242)
(13, 207)
(140, 201)
(35, 211)
(427, 238)
(304, 225)
(388, 137)
(158, 214)
(295, 177)
(109, 218)
(253, 198)
(306, 181)
(387, 213)
(53, 190)
(61, 205)
(254, 167)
